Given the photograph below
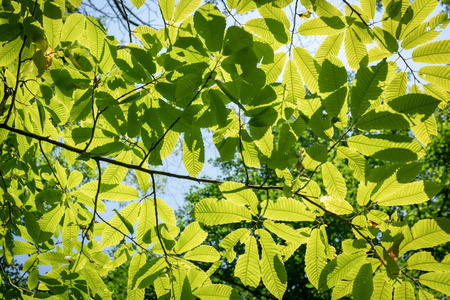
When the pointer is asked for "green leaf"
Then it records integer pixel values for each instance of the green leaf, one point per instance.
(394, 148)
(210, 25)
(426, 234)
(115, 192)
(295, 89)
(369, 7)
(424, 261)
(210, 211)
(216, 291)
(203, 253)
(323, 26)
(137, 262)
(355, 50)
(239, 194)
(333, 181)
(273, 11)
(111, 236)
(73, 28)
(397, 87)
(96, 36)
(53, 13)
(167, 7)
(273, 272)
(184, 8)
(231, 240)
(419, 11)
(330, 46)
(95, 283)
(273, 69)
(333, 87)
(74, 179)
(426, 32)
(356, 162)
(439, 281)
(404, 291)
(337, 206)
(125, 221)
(433, 53)
(437, 75)
(49, 258)
(49, 221)
(146, 221)
(286, 209)
(363, 284)
(138, 3)
(193, 152)
(247, 266)
(382, 290)
(412, 193)
(369, 85)
(285, 232)
(271, 30)
(191, 237)
(338, 268)
(308, 67)
(315, 258)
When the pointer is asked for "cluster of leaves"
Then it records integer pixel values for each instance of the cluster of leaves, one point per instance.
(69, 88)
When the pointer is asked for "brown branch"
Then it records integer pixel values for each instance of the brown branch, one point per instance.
(125, 165)
(155, 204)
(356, 12)
(229, 13)
(93, 128)
(410, 69)
(293, 27)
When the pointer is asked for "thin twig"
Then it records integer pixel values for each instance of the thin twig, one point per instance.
(356, 12)
(293, 27)
(95, 205)
(412, 71)
(128, 21)
(51, 168)
(155, 204)
(93, 129)
(229, 13)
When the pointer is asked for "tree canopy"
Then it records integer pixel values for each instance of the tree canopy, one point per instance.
(80, 111)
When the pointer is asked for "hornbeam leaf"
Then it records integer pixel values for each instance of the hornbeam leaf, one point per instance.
(369, 85)
(315, 258)
(412, 193)
(273, 272)
(338, 268)
(210, 25)
(193, 152)
(424, 261)
(167, 7)
(355, 50)
(73, 28)
(203, 253)
(185, 8)
(391, 147)
(437, 75)
(382, 290)
(404, 291)
(333, 181)
(420, 10)
(192, 236)
(216, 292)
(240, 194)
(286, 209)
(210, 211)
(363, 284)
(433, 53)
(330, 46)
(110, 235)
(308, 67)
(439, 281)
(337, 206)
(426, 234)
(285, 232)
(323, 26)
(247, 266)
